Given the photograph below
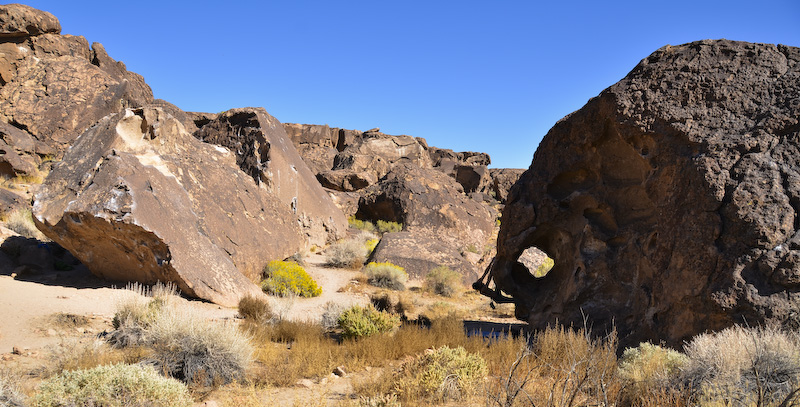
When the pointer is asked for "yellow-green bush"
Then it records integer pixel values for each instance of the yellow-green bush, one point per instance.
(441, 375)
(112, 386)
(286, 277)
(357, 322)
(649, 370)
(443, 281)
(359, 224)
(370, 245)
(386, 275)
(544, 267)
(388, 226)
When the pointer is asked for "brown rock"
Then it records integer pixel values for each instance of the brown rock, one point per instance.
(345, 180)
(669, 202)
(420, 252)
(137, 198)
(430, 201)
(502, 181)
(19, 20)
(264, 152)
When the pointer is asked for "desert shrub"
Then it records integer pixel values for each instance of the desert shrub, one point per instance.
(743, 366)
(443, 281)
(286, 278)
(441, 375)
(135, 313)
(388, 226)
(544, 267)
(649, 372)
(350, 253)
(10, 394)
(357, 322)
(370, 245)
(112, 386)
(386, 275)
(330, 314)
(21, 221)
(359, 224)
(197, 351)
(255, 309)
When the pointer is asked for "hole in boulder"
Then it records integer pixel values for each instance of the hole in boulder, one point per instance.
(536, 261)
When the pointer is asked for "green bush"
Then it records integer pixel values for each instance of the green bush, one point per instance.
(386, 275)
(443, 281)
(647, 369)
(198, 351)
(350, 253)
(286, 278)
(743, 366)
(441, 375)
(357, 322)
(388, 226)
(255, 309)
(112, 386)
(544, 267)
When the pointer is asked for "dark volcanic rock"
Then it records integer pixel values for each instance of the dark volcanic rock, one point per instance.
(55, 86)
(501, 181)
(419, 253)
(669, 202)
(265, 152)
(137, 198)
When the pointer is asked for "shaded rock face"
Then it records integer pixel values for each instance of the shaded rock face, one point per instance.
(502, 179)
(265, 152)
(137, 198)
(669, 202)
(55, 86)
(429, 201)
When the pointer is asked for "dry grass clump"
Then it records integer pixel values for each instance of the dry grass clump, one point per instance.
(386, 275)
(330, 315)
(561, 367)
(255, 309)
(349, 253)
(743, 366)
(441, 375)
(136, 313)
(443, 281)
(21, 221)
(198, 351)
(285, 278)
(10, 393)
(650, 373)
(112, 386)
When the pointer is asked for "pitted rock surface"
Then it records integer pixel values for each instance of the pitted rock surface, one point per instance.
(670, 203)
(137, 198)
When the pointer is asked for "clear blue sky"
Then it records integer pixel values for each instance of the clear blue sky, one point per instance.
(471, 76)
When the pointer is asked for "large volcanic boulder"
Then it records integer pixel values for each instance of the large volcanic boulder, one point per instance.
(316, 144)
(433, 208)
(669, 202)
(137, 198)
(265, 152)
(502, 179)
(55, 86)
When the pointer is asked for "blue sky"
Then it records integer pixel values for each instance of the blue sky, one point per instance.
(466, 75)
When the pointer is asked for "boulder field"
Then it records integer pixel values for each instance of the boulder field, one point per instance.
(670, 202)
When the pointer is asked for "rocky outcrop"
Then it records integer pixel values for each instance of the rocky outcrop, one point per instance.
(315, 143)
(670, 202)
(502, 179)
(419, 253)
(137, 198)
(265, 152)
(55, 86)
(427, 200)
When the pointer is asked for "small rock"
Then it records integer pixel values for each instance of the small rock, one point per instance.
(339, 371)
(305, 383)
(80, 330)
(6, 357)
(15, 350)
(51, 332)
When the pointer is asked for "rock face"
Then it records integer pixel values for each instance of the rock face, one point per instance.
(669, 202)
(137, 198)
(265, 152)
(419, 253)
(502, 179)
(55, 86)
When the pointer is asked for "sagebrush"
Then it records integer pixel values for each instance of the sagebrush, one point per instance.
(117, 385)
(386, 275)
(443, 281)
(358, 321)
(349, 253)
(441, 375)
